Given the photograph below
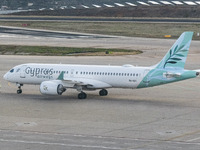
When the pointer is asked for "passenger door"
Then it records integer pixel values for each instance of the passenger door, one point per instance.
(22, 72)
(145, 76)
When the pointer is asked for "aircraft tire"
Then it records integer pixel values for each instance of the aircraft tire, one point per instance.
(19, 91)
(82, 95)
(103, 92)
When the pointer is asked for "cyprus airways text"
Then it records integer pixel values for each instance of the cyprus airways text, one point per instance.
(38, 71)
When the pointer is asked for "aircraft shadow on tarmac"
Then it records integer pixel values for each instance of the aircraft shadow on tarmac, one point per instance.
(91, 98)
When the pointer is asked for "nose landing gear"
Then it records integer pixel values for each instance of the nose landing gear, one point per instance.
(19, 91)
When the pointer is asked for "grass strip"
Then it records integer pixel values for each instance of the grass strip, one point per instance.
(132, 29)
(63, 51)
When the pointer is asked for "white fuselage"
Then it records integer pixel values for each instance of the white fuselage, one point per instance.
(54, 79)
(126, 76)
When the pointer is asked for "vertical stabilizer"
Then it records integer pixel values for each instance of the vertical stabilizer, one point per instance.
(176, 56)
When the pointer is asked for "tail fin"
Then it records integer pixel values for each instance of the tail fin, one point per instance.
(176, 56)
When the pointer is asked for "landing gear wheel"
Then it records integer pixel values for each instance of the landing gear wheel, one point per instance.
(19, 91)
(103, 92)
(82, 95)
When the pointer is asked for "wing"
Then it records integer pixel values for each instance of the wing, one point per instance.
(89, 83)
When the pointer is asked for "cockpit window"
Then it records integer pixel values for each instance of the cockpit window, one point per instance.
(12, 70)
(18, 70)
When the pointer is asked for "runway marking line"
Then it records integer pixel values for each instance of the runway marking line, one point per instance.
(183, 135)
(191, 140)
(59, 144)
(170, 140)
(152, 141)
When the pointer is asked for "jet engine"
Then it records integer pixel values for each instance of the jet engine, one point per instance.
(51, 88)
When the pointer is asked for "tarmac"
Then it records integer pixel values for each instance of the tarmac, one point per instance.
(163, 117)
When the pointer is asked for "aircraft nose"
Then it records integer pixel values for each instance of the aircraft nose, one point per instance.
(5, 76)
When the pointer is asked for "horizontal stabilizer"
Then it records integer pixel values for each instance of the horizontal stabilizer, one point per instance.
(171, 75)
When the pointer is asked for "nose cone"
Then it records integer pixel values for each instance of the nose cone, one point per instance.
(5, 76)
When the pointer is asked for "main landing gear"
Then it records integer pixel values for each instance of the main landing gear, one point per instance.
(19, 91)
(103, 92)
(83, 95)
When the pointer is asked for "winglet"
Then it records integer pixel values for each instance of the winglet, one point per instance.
(176, 56)
(61, 76)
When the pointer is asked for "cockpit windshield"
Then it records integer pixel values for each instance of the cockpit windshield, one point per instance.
(12, 70)
(18, 70)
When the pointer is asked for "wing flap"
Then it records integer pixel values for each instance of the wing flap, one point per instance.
(90, 83)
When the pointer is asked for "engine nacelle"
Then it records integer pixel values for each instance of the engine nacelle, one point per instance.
(51, 88)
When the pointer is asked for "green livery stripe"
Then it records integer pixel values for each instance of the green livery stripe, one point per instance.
(157, 77)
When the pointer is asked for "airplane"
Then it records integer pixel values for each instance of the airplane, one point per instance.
(54, 79)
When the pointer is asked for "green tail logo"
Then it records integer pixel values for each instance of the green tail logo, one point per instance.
(171, 67)
(176, 56)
